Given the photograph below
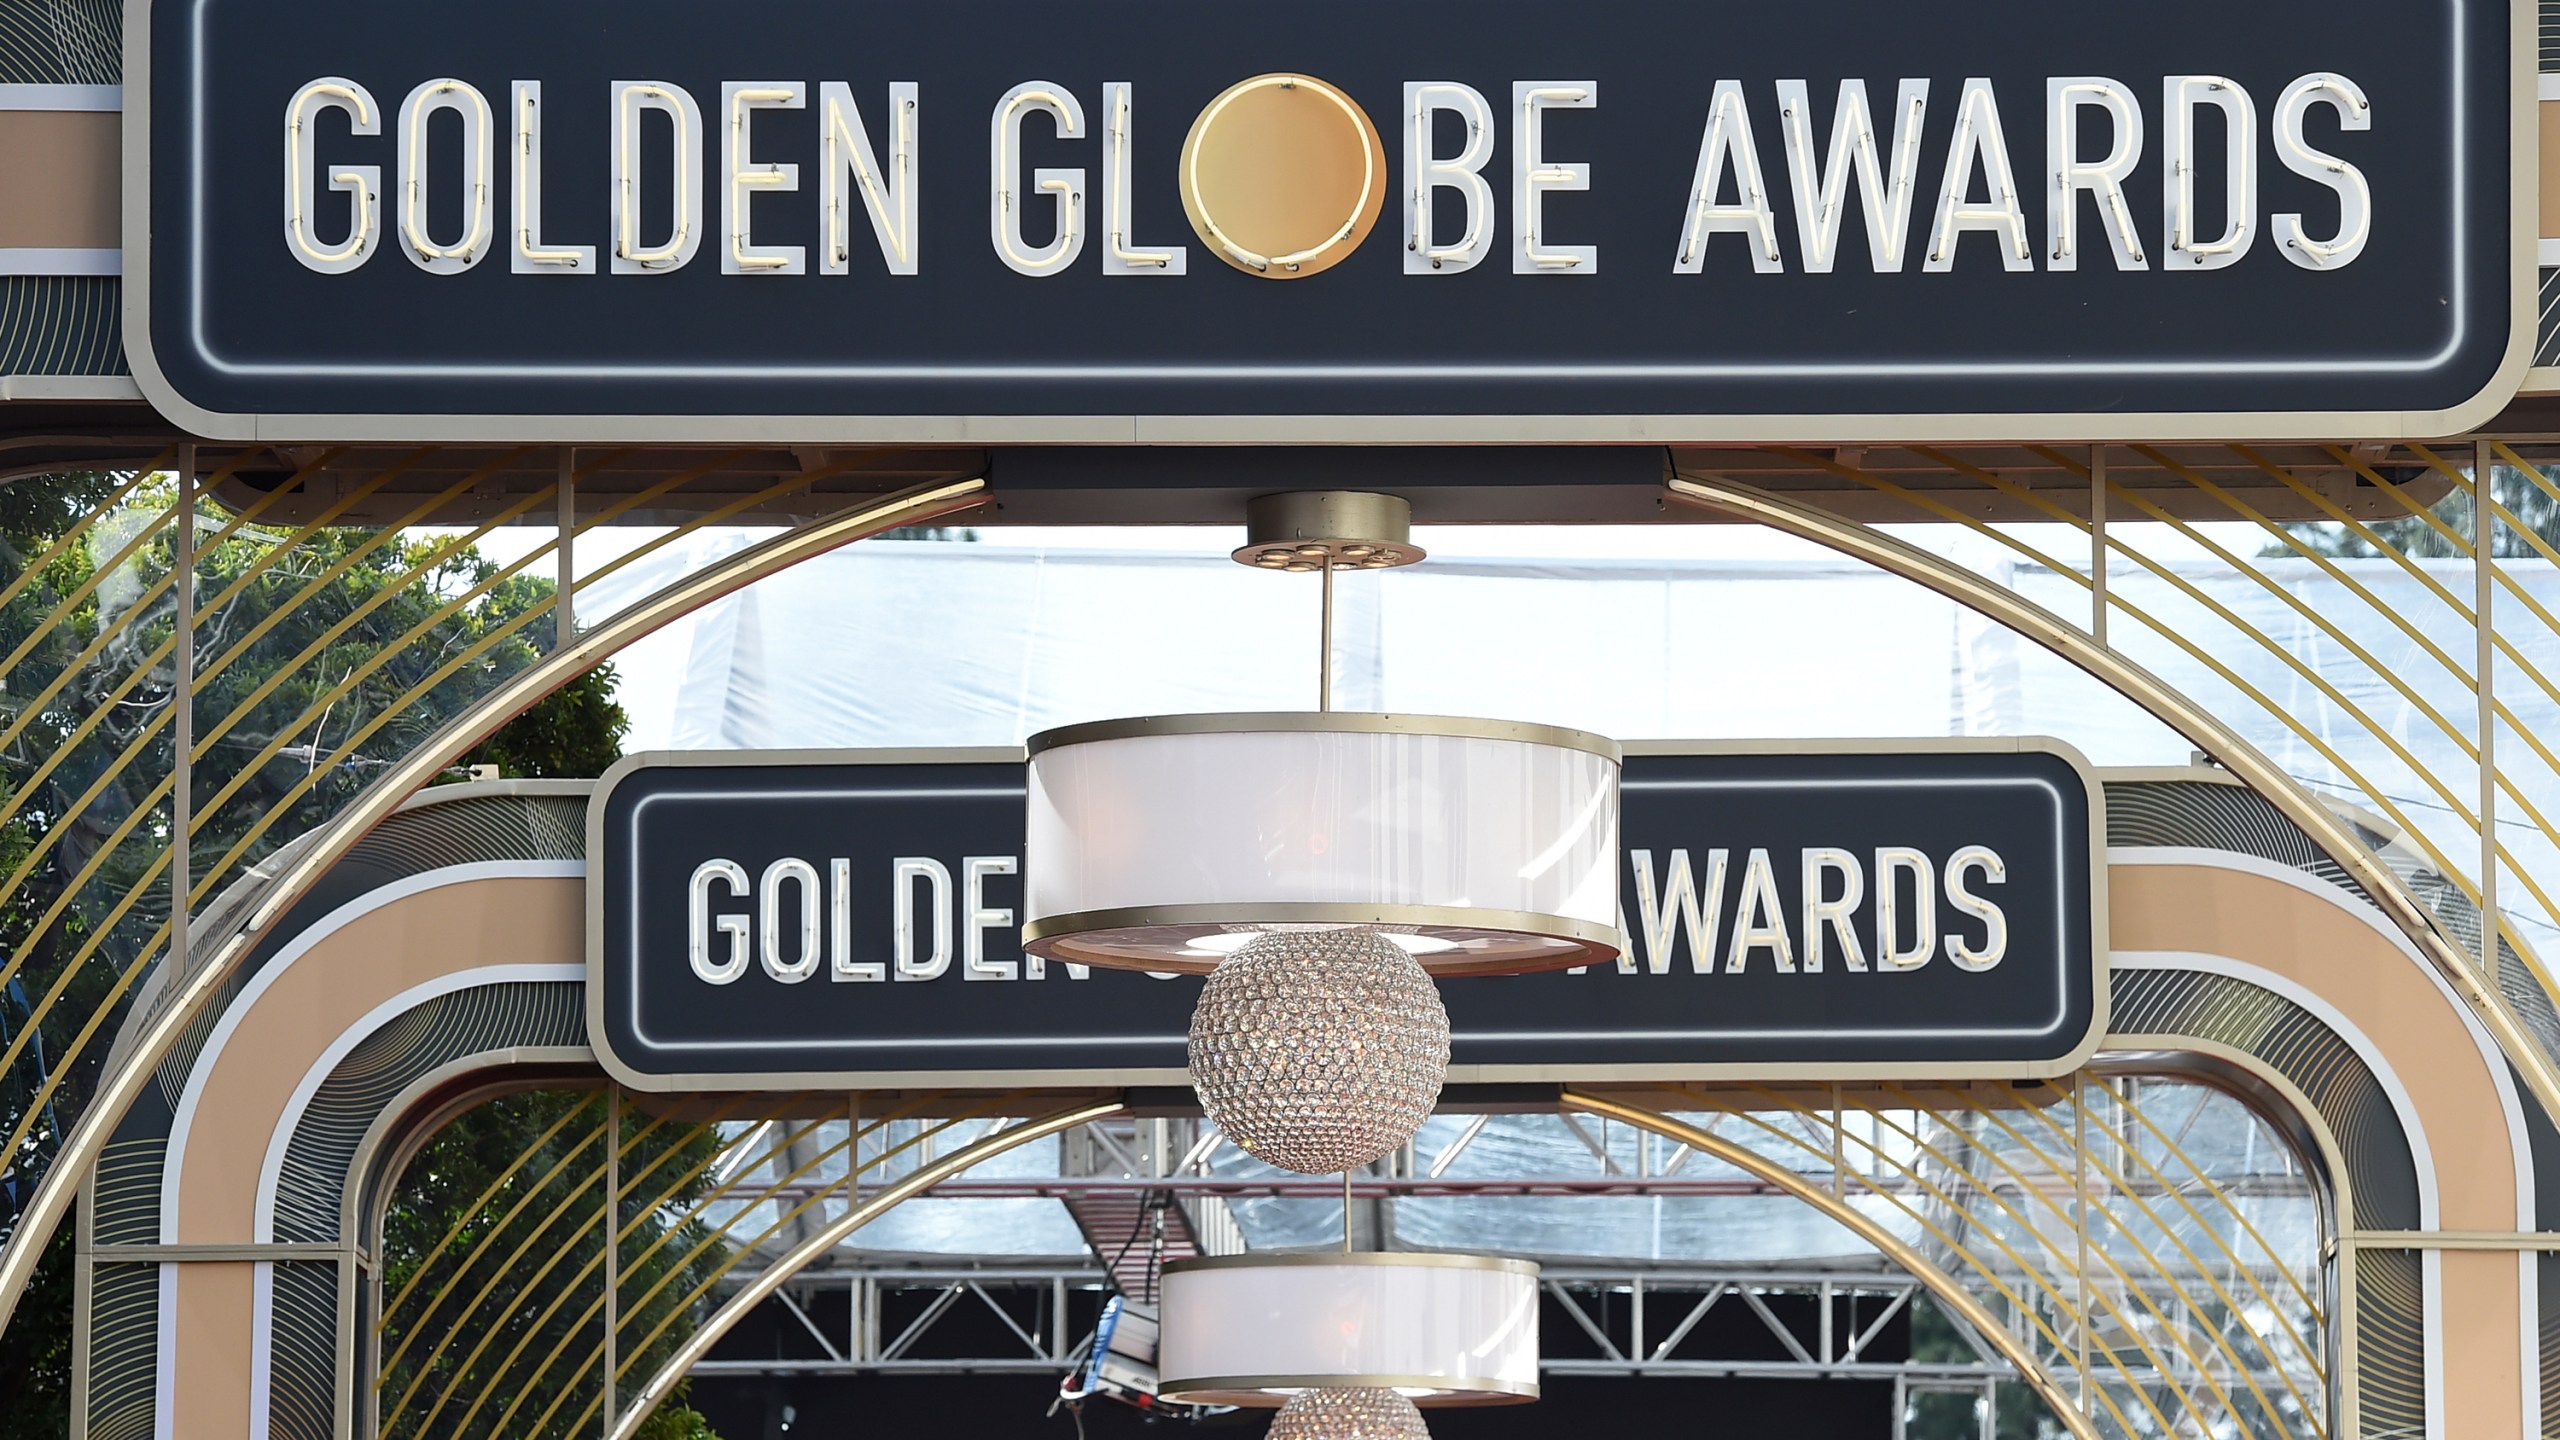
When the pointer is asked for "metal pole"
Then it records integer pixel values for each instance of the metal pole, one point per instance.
(1346, 1188)
(2080, 1219)
(612, 1246)
(1324, 667)
(1839, 1165)
(2098, 544)
(565, 618)
(2484, 571)
(182, 782)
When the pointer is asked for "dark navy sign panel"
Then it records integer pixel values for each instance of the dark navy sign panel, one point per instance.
(822, 922)
(2417, 332)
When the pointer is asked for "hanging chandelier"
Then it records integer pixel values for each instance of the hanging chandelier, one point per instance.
(1322, 869)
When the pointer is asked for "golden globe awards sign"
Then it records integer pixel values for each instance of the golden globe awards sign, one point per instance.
(848, 919)
(1028, 220)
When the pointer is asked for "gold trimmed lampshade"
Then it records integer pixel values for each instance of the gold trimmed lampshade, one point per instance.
(1439, 1329)
(1482, 847)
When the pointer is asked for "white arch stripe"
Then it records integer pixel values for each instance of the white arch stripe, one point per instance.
(262, 1332)
(2430, 1262)
(173, 1161)
(271, 1170)
(2429, 1215)
(2494, 1060)
(174, 1158)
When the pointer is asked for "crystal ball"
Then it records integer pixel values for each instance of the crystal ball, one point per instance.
(1348, 1415)
(1319, 1051)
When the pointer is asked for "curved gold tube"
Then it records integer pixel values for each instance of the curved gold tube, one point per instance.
(118, 1089)
(798, 1258)
(2165, 704)
(1941, 1285)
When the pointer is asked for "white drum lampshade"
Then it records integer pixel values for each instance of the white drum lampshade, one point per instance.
(1166, 844)
(1440, 1329)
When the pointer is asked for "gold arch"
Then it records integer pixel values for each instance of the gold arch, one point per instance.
(662, 1382)
(765, 1172)
(2083, 648)
(2477, 982)
(1948, 1290)
(141, 1052)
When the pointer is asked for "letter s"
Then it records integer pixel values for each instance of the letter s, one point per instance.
(1995, 923)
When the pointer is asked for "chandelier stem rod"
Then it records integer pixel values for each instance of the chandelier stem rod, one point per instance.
(1346, 1175)
(1324, 661)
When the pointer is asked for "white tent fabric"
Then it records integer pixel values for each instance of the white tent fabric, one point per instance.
(920, 643)
(926, 643)
(937, 644)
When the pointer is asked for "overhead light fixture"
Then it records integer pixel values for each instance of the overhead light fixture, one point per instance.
(1348, 1415)
(1258, 1330)
(1478, 846)
(1322, 868)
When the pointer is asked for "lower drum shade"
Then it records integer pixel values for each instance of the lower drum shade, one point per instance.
(1442, 1329)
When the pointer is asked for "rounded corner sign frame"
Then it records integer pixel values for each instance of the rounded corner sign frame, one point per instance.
(960, 809)
(231, 340)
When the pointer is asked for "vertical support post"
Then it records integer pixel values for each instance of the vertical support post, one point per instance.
(2080, 1222)
(1636, 1348)
(83, 1279)
(564, 620)
(2484, 549)
(1324, 639)
(2098, 544)
(1839, 1176)
(182, 781)
(1826, 1295)
(612, 1243)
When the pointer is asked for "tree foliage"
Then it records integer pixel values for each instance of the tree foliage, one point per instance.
(305, 650)
(2449, 537)
(2017, 1414)
(526, 1172)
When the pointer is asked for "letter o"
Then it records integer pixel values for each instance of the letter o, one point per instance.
(789, 870)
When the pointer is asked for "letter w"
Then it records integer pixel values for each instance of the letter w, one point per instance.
(1822, 190)
(1663, 912)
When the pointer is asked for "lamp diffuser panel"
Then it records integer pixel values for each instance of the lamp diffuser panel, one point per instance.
(1256, 1329)
(1483, 847)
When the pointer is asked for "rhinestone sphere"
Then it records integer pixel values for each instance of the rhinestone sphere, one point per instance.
(1348, 1415)
(1319, 1051)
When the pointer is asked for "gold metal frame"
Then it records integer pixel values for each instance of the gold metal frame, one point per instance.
(735, 1308)
(2511, 649)
(2188, 717)
(192, 992)
(1941, 1285)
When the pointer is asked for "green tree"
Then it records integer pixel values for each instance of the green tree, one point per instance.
(2513, 491)
(493, 1151)
(269, 655)
(1952, 1415)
